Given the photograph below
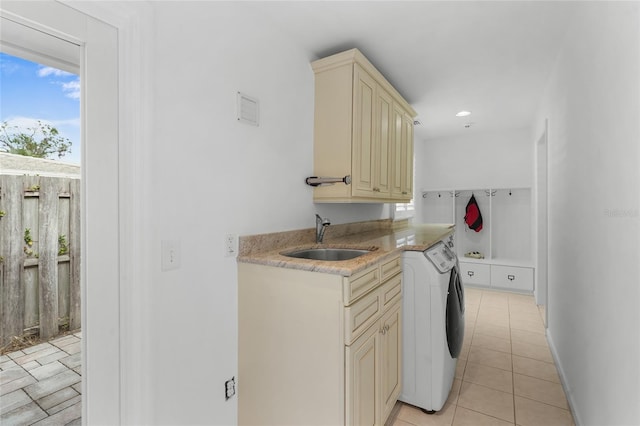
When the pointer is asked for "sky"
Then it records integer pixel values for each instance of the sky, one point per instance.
(31, 92)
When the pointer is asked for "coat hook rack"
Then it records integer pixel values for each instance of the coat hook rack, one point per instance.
(322, 181)
(424, 194)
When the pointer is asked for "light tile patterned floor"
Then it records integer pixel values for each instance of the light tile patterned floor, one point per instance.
(40, 385)
(505, 374)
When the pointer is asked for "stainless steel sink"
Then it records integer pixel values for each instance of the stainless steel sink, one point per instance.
(331, 254)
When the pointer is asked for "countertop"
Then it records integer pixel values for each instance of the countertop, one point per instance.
(384, 238)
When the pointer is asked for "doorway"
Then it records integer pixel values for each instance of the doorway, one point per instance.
(100, 190)
(40, 333)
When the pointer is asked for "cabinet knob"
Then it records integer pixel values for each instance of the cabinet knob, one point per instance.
(376, 189)
(404, 192)
(470, 273)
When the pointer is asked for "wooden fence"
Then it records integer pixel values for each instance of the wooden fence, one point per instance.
(39, 256)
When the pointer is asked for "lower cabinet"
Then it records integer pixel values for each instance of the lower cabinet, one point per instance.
(374, 370)
(475, 274)
(391, 360)
(512, 278)
(516, 278)
(318, 348)
(362, 365)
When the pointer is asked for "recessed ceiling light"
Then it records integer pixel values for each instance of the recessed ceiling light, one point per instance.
(463, 113)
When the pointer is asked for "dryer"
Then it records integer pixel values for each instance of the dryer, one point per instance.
(433, 324)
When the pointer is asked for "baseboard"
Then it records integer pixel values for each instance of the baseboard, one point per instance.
(563, 379)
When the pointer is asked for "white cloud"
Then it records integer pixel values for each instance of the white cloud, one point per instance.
(23, 123)
(72, 89)
(47, 71)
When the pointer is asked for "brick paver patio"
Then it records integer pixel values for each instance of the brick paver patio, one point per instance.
(40, 385)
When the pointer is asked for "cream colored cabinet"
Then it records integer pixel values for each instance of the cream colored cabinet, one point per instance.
(374, 363)
(356, 132)
(362, 365)
(390, 360)
(318, 348)
(402, 156)
(364, 138)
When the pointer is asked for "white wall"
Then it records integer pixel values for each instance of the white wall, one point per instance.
(210, 176)
(593, 104)
(479, 160)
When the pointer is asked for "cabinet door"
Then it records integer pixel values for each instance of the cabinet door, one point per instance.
(363, 149)
(390, 360)
(407, 156)
(475, 274)
(383, 137)
(362, 362)
(396, 153)
(402, 155)
(512, 278)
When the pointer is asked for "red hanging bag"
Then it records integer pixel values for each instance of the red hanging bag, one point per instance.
(473, 217)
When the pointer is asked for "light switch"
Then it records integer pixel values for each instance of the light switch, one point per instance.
(170, 254)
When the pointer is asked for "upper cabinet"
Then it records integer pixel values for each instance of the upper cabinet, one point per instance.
(362, 128)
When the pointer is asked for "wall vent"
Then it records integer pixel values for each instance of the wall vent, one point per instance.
(248, 109)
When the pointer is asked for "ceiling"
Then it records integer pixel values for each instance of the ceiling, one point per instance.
(492, 58)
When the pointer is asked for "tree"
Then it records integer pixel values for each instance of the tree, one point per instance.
(40, 141)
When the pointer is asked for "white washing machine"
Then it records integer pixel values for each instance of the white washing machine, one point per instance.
(433, 324)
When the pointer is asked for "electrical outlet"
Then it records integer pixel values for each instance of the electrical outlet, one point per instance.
(229, 388)
(231, 245)
(170, 254)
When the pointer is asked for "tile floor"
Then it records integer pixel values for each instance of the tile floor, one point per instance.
(505, 374)
(40, 385)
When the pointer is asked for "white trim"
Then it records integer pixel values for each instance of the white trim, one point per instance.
(113, 387)
(134, 89)
(563, 378)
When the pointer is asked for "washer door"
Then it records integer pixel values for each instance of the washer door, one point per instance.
(455, 313)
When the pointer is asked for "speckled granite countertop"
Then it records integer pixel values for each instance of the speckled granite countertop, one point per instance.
(384, 237)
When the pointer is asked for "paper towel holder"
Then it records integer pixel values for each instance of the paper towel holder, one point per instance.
(321, 181)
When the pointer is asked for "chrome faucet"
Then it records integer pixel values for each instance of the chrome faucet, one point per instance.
(321, 226)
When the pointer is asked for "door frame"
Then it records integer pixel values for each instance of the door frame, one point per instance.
(114, 120)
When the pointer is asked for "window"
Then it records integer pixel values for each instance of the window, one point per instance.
(404, 211)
